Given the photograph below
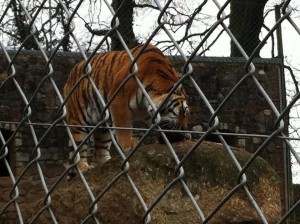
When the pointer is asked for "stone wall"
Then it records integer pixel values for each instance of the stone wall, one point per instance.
(30, 70)
(247, 112)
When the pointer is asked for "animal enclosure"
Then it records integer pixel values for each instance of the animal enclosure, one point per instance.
(236, 168)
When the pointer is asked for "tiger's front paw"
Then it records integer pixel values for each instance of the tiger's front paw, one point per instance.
(104, 159)
(128, 145)
(84, 166)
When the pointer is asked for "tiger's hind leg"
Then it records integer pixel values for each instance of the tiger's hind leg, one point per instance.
(82, 165)
(102, 143)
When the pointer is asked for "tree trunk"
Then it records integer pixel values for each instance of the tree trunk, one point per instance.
(124, 12)
(66, 42)
(22, 27)
(246, 20)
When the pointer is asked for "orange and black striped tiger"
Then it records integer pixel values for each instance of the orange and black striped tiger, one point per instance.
(157, 75)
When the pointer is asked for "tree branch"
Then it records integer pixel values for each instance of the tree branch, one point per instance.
(102, 32)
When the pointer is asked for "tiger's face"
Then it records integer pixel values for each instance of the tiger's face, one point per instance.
(174, 114)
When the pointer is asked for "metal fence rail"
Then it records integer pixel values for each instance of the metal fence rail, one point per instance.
(33, 13)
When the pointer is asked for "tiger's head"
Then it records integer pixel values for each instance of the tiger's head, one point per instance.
(159, 76)
(174, 114)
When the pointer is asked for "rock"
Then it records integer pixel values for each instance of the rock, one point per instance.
(209, 174)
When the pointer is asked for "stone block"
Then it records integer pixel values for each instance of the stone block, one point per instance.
(22, 157)
(257, 140)
(241, 142)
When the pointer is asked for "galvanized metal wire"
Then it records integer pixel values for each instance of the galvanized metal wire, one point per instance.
(163, 26)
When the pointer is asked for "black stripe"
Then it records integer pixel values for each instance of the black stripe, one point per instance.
(148, 87)
(100, 141)
(124, 55)
(154, 50)
(134, 50)
(156, 60)
(164, 75)
(114, 58)
(81, 112)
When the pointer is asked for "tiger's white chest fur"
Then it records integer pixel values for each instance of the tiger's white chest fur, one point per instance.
(138, 106)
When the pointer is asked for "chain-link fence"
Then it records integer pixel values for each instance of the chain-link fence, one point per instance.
(235, 169)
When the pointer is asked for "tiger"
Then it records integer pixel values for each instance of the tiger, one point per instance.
(108, 70)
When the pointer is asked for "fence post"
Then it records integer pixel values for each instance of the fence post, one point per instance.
(278, 33)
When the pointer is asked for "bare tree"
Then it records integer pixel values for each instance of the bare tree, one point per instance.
(184, 18)
(179, 18)
(124, 12)
(49, 26)
(188, 22)
(66, 42)
(22, 31)
(246, 21)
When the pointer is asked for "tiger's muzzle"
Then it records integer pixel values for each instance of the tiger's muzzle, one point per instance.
(174, 131)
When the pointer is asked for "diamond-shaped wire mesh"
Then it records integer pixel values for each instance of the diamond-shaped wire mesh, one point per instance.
(193, 181)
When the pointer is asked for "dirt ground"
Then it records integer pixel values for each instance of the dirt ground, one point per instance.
(209, 174)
